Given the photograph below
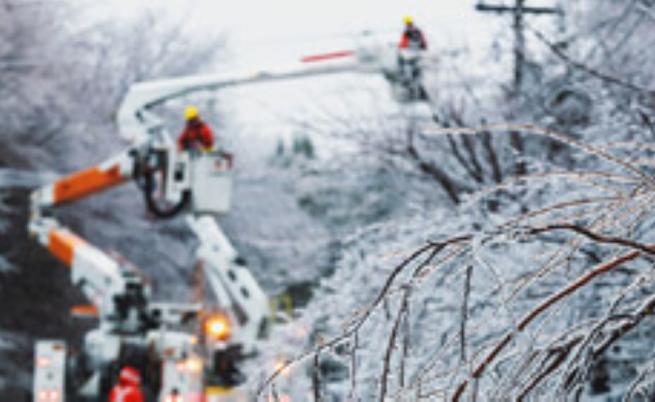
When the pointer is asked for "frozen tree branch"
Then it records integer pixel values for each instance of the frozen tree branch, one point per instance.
(582, 67)
(402, 310)
(536, 312)
(594, 236)
(535, 130)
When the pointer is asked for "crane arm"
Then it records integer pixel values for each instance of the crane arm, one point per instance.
(135, 120)
(98, 275)
(107, 283)
(108, 174)
(236, 290)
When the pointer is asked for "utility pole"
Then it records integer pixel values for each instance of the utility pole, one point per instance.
(519, 11)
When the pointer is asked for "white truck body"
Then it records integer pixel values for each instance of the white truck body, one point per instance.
(50, 371)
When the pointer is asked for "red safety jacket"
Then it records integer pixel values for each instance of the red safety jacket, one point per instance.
(127, 389)
(413, 38)
(128, 393)
(196, 135)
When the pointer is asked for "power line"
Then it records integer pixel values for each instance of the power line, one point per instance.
(526, 9)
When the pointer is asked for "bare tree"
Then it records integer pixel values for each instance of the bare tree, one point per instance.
(61, 85)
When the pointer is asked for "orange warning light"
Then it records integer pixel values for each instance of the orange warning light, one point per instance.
(217, 327)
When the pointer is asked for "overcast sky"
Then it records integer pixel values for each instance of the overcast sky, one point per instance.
(274, 30)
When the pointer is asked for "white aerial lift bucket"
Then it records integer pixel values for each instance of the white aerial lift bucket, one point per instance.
(211, 183)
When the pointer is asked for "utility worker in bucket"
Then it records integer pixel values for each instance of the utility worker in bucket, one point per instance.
(128, 388)
(197, 135)
(412, 44)
(412, 37)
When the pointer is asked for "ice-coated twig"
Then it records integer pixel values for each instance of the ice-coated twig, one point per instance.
(537, 311)
(540, 131)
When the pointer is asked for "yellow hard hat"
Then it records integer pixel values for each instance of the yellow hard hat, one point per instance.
(408, 20)
(191, 112)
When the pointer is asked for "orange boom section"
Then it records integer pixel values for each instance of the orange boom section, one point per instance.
(86, 182)
(62, 245)
(85, 310)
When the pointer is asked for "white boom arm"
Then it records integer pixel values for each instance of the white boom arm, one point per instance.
(136, 121)
(235, 288)
(100, 277)
(120, 297)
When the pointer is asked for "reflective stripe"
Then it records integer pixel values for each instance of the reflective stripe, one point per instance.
(327, 56)
(85, 310)
(121, 395)
(128, 375)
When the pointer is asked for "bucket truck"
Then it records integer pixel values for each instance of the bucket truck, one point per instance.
(181, 349)
(160, 339)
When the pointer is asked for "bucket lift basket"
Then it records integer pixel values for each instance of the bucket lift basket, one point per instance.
(211, 183)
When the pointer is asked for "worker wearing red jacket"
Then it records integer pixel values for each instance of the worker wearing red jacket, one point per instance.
(196, 135)
(128, 388)
(412, 37)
